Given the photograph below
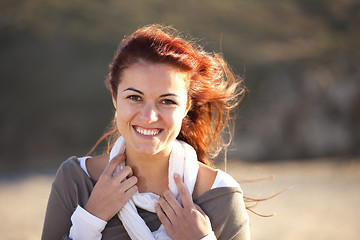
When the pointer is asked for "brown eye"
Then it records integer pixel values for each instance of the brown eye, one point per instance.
(168, 102)
(134, 98)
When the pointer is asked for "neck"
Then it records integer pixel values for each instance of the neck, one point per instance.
(151, 171)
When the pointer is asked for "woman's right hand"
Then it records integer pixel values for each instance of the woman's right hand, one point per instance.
(111, 193)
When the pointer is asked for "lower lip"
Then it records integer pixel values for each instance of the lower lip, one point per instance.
(146, 136)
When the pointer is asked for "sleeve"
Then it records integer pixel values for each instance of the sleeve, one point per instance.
(85, 225)
(70, 190)
(236, 221)
(227, 212)
(59, 210)
(210, 236)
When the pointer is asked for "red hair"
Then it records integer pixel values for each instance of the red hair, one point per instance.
(212, 88)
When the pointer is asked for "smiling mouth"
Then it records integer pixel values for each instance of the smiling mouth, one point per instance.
(147, 131)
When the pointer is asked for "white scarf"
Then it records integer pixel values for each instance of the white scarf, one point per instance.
(183, 160)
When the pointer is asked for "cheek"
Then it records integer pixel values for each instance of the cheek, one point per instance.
(176, 120)
(124, 114)
(119, 122)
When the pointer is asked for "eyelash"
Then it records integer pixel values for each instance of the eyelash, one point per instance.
(134, 98)
(168, 102)
(137, 98)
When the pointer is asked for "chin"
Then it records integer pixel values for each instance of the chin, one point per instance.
(146, 150)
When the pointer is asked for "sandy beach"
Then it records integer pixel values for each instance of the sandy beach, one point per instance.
(321, 200)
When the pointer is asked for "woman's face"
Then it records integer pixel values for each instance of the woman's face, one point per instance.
(151, 103)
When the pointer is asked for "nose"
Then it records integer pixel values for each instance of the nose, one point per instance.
(149, 113)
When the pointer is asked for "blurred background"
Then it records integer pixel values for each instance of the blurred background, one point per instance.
(301, 119)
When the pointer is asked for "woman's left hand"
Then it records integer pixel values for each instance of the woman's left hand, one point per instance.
(182, 222)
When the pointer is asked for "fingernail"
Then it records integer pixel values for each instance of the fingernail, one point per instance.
(176, 175)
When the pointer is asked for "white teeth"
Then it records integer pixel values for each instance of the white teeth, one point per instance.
(147, 132)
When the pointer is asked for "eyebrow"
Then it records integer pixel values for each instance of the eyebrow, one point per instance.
(133, 89)
(169, 95)
(140, 92)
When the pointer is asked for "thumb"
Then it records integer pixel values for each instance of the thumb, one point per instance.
(200, 210)
(112, 165)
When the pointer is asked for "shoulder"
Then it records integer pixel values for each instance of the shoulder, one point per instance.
(226, 209)
(69, 173)
(205, 179)
(68, 168)
(96, 165)
(209, 178)
(224, 179)
(221, 198)
(73, 169)
(71, 184)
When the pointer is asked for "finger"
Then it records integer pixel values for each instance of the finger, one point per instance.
(128, 183)
(130, 192)
(169, 211)
(162, 217)
(183, 192)
(112, 165)
(199, 209)
(123, 173)
(175, 205)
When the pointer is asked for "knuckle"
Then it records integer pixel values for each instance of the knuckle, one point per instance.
(167, 194)
(115, 160)
(103, 178)
(161, 201)
(113, 184)
(122, 195)
(175, 224)
(127, 169)
(193, 212)
(133, 180)
(119, 157)
(182, 190)
(161, 215)
(131, 191)
(181, 215)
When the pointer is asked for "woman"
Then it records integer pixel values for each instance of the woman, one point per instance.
(172, 100)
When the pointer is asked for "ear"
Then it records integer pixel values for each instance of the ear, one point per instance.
(114, 102)
(188, 106)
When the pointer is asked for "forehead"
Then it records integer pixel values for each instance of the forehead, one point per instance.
(154, 76)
